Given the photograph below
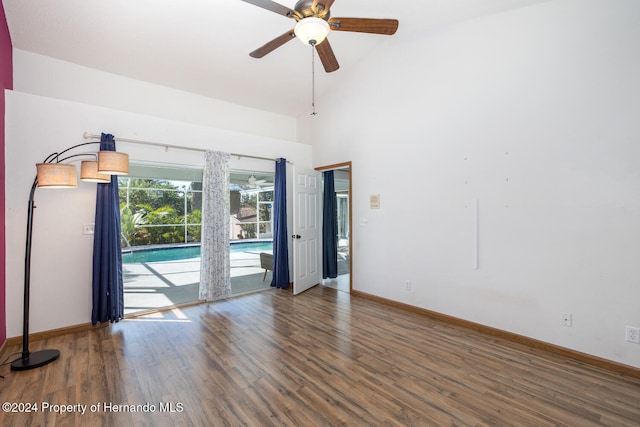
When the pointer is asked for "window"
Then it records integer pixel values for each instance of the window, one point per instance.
(251, 206)
(156, 210)
(342, 199)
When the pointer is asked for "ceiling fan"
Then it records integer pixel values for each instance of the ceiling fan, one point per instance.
(313, 23)
(253, 181)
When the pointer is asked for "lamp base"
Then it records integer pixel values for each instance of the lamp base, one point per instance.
(35, 360)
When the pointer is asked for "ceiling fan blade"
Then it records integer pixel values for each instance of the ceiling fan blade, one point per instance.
(328, 58)
(273, 44)
(365, 25)
(274, 7)
(324, 9)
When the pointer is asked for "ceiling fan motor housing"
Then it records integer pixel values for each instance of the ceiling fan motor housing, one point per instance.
(313, 28)
(304, 8)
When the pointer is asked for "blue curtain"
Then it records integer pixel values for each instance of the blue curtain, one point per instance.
(108, 294)
(280, 236)
(329, 229)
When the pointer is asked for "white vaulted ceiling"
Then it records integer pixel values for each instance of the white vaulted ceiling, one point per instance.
(202, 46)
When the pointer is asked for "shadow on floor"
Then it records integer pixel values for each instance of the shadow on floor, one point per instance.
(149, 286)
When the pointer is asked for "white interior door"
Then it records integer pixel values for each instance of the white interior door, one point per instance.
(306, 230)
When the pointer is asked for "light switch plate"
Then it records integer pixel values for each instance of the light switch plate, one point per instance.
(374, 201)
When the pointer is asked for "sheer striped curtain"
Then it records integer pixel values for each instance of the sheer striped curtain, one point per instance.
(215, 277)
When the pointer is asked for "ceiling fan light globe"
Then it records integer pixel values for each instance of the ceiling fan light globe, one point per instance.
(311, 31)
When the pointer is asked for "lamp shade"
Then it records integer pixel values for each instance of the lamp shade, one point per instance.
(311, 31)
(89, 172)
(113, 163)
(57, 175)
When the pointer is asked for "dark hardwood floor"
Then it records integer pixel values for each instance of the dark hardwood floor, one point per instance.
(320, 358)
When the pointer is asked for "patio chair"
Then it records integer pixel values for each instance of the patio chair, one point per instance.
(266, 262)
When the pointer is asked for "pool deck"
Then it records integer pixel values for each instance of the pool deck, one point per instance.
(149, 285)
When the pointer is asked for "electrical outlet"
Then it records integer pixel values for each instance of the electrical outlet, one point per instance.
(407, 285)
(565, 319)
(632, 334)
(88, 228)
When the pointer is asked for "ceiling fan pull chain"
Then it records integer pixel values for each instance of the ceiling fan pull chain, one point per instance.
(313, 78)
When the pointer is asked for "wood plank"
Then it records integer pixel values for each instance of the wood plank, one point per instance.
(320, 358)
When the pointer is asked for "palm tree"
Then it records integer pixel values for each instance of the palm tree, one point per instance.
(131, 225)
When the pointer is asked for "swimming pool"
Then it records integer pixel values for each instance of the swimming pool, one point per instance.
(185, 252)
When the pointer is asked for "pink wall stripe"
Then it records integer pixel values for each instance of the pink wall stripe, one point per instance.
(6, 82)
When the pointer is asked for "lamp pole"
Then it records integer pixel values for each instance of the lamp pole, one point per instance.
(30, 360)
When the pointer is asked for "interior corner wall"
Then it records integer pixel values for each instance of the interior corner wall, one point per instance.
(6, 83)
(533, 113)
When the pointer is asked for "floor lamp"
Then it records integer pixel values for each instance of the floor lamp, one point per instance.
(53, 173)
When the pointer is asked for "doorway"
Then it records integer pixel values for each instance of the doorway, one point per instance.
(344, 196)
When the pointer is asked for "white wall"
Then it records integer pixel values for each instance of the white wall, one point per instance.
(62, 255)
(42, 75)
(534, 112)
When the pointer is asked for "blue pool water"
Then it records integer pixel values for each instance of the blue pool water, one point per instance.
(186, 252)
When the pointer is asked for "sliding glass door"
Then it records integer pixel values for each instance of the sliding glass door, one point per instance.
(161, 220)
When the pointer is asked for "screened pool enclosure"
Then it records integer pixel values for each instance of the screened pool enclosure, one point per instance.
(160, 209)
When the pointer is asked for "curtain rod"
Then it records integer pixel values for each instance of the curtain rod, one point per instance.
(88, 135)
